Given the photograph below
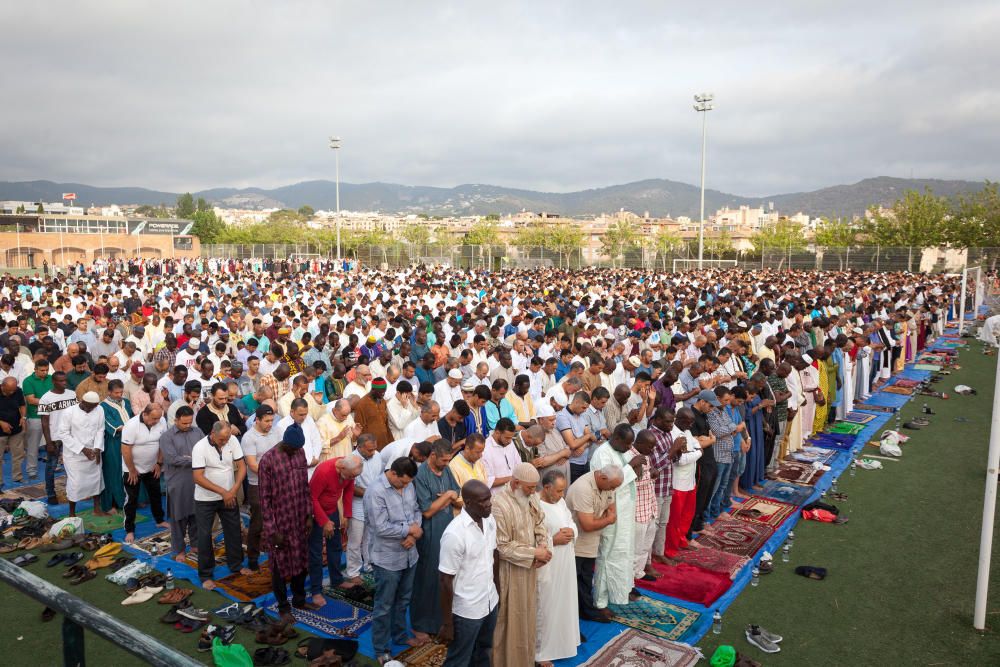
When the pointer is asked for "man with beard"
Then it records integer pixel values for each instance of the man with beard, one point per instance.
(522, 546)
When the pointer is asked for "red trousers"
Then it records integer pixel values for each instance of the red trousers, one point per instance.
(682, 506)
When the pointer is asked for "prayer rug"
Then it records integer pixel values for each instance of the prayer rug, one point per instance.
(335, 618)
(904, 382)
(786, 493)
(832, 441)
(362, 597)
(656, 617)
(246, 588)
(764, 511)
(797, 473)
(736, 537)
(107, 524)
(635, 649)
(846, 428)
(893, 389)
(859, 417)
(431, 654)
(713, 560)
(926, 367)
(688, 582)
(810, 454)
(159, 539)
(37, 491)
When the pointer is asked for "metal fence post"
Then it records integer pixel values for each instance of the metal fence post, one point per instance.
(72, 637)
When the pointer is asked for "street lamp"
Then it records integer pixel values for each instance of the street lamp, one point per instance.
(703, 104)
(335, 145)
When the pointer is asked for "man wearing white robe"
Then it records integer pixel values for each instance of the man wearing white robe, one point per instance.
(558, 616)
(81, 431)
(613, 581)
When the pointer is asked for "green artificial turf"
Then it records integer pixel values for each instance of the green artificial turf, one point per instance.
(902, 571)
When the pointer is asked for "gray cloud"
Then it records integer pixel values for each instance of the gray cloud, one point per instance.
(558, 96)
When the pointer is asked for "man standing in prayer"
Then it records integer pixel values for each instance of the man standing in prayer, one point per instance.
(591, 499)
(142, 462)
(372, 414)
(438, 498)
(613, 581)
(469, 598)
(218, 468)
(646, 508)
(258, 440)
(176, 445)
(357, 537)
(558, 632)
(283, 488)
(81, 431)
(394, 524)
(51, 408)
(523, 547)
(468, 463)
(331, 486)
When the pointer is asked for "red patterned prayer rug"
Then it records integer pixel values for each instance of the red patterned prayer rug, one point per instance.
(736, 537)
(760, 510)
(713, 560)
(688, 582)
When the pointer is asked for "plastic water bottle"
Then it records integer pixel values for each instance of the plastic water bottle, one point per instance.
(833, 485)
(169, 585)
(791, 539)
(854, 467)
(785, 553)
(755, 577)
(154, 550)
(716, 623)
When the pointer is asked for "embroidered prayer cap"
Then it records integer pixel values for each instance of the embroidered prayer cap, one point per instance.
(525, 472)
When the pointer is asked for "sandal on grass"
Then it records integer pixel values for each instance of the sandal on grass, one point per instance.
(811, 572)
(271, 655)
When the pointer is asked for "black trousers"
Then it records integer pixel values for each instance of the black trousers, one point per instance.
(706, 482)
(232, 533)
(585, 587)
(152, 485)
(577, 470)
(298, 583)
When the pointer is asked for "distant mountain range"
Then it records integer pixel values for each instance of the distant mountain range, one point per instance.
(658, 197)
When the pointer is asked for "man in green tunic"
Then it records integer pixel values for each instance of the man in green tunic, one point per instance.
(439, 499)
(117, 411)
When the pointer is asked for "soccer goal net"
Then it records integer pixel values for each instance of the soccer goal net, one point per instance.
(691, 264)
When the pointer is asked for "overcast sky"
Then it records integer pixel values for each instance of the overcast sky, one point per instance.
(542, 95)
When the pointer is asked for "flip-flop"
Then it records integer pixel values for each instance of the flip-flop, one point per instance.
(271, 656)
(85, 577)
(48, 614)
(57, 559)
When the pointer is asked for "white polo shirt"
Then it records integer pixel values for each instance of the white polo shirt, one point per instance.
(467, 554)
(219, 466)
(145, 443)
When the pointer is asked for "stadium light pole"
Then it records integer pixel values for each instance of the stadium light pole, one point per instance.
(335, 145)
(989, 512)
(703, 104)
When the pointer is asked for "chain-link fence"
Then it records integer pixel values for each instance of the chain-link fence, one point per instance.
(497, 256)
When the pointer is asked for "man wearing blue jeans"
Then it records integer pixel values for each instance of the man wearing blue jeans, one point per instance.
(469, 598)
(394, 526)
(724, 430)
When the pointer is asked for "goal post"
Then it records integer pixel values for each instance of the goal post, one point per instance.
(689, 264)
(973, 294)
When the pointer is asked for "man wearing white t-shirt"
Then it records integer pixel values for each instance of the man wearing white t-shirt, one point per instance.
(218, 469)
(141, 463)
(469, 598)
(50, 407)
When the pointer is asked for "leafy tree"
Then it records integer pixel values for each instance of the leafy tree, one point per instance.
(619, 238)
(717, 246)
(185, 206)
(416, 234)
(40, 209)
(203, 205)
(207, 226)
(916, 221)
(492, 217)
(836, 233)
(285, 215)
(483, 234)
(148, 211)
(664, 243)
(531, 236)
(783, 234)
(307, 211)
(20, 209)
(564, 239)
(976, 222)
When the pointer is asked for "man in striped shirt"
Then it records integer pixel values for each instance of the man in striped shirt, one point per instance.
(646, 508)
(662, 471)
